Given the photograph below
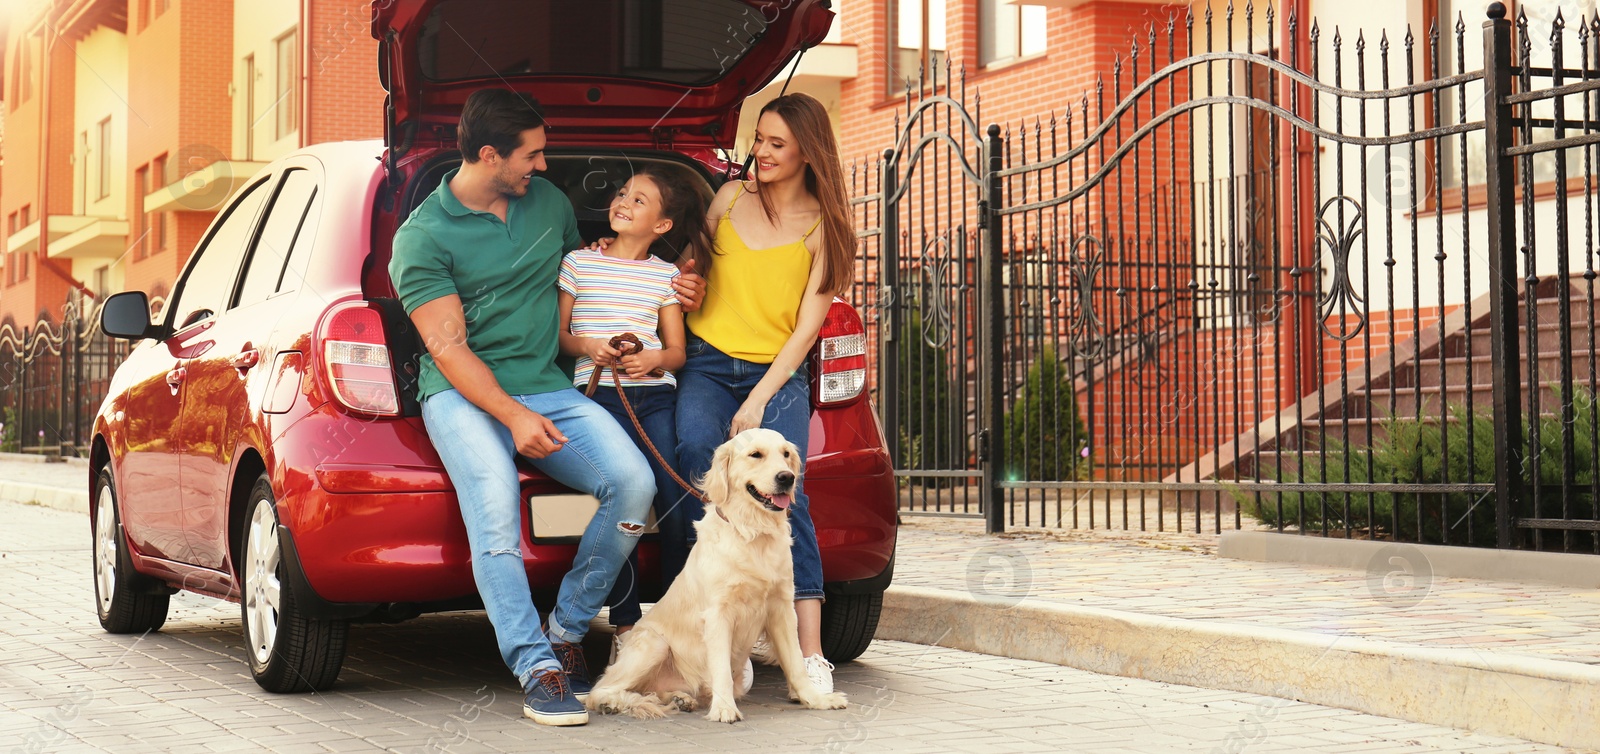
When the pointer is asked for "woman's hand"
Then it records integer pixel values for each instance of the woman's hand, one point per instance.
(600, 351)
(749, 415)
(640, 365)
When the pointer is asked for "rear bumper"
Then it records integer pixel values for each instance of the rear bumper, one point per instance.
(392, 533)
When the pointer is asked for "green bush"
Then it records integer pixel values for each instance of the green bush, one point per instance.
(933, 427)
(1412, 452)
(11, 435)
(1045, 438)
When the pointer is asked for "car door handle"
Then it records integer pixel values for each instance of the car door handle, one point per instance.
(175, 377)
(245, 359)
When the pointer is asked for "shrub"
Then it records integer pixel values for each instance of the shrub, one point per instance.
(933, 428)
(1045, 438)
(1413, 452)
(11, 433)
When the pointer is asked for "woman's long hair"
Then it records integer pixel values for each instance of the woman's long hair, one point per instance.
(808, 120)
(686, 206)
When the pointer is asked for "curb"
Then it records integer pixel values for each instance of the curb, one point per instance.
(1443, 561)
(70, 499)
(1546, 701)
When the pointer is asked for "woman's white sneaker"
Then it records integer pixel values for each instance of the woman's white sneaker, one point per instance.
(820, 672)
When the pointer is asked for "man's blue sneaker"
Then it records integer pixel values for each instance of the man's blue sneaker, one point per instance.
(549, 700)
(570, 653)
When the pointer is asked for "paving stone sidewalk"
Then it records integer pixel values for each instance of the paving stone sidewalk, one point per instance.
(1178, 575)
(436, 684)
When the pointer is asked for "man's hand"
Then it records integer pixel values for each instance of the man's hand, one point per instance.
(690, 287)
(536, 436)
(599, 244)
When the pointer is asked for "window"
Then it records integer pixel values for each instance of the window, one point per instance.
(287, 103)
(1008, 31)
(692, 42)
(103, 160)
(157, 221)
(919, 29)
(141, 221)
(1541, 16)
(102, 277)
(278, 237)
(208, 286)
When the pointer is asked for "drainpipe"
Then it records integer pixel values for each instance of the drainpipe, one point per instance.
(305, 35)
(1299, 148)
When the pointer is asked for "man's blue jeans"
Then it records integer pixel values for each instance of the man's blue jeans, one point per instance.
(598, 459)
(711, 387)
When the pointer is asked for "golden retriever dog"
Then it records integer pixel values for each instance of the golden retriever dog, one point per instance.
(738, 582)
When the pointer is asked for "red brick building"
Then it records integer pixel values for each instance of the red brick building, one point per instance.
(157, 111)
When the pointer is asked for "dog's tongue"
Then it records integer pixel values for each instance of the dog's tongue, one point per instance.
(781, 500)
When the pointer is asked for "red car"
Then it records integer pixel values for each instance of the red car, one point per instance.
(262, 443)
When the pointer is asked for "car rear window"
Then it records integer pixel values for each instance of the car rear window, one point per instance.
(677, 41)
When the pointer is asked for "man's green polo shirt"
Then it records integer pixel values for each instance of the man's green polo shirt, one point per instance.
(505, 274)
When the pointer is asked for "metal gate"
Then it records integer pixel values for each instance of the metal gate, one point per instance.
(1230, 285)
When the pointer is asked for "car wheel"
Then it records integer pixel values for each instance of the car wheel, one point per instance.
(123, 605)
(288, 651)
(848, 623)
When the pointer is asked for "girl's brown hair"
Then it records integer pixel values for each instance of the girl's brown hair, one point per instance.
(685, 205)
(808, 120)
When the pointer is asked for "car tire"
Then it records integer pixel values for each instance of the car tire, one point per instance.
(122, 601)
(288, 652)
(848, 623)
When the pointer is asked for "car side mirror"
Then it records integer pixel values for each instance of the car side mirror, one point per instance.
(127, 315)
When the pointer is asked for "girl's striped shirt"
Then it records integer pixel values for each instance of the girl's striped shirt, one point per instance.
(613, 296)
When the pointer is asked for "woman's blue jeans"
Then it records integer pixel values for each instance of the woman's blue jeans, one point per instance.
(598, 459)
(655, 405)
(711, 387)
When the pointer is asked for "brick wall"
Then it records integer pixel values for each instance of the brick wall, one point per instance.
(346, 97)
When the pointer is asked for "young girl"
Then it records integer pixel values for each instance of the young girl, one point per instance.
(659, 218)
(784, 248)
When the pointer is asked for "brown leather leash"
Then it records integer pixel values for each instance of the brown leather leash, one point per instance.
(627, 343)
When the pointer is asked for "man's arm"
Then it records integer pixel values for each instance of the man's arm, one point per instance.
(442, 324)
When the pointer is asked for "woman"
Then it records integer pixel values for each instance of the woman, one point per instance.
(784, 247)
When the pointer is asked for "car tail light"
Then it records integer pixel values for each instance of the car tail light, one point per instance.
(355, 357)
(842, 355)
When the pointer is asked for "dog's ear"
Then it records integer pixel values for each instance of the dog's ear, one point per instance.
(715, 482)
(797, 461)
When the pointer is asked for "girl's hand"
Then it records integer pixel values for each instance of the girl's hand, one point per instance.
(640, 365)
(749, 416)
(599, 244)
(600, 351)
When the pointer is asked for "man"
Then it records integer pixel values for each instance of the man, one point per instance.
(475, 266)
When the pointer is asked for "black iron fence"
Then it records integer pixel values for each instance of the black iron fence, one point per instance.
(1340, 285)
(53, 377)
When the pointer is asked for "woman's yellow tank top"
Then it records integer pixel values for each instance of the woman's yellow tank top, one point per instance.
(752, 295)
